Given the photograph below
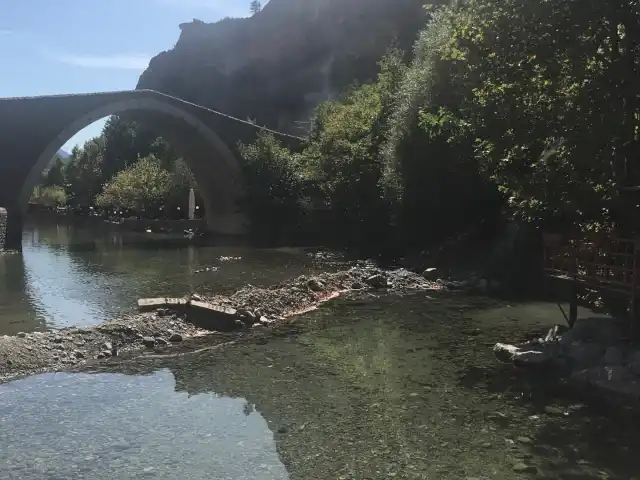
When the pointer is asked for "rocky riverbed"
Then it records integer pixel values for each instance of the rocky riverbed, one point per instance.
(596, 352)
(251, 311)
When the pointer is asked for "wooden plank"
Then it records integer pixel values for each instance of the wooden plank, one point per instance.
(149, 304)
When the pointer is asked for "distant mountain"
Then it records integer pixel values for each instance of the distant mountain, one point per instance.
(62, 154)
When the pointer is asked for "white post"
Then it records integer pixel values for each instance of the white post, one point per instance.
(192, 204)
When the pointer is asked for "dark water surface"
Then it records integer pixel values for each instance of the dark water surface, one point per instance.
(392, 388)
(82, 275)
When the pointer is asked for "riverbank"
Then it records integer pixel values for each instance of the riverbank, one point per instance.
(248, 313)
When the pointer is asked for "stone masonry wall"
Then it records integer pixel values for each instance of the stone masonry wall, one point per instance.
(3, 227)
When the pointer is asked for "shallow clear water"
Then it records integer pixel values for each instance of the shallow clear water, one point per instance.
(67, 426)
(401, 388)
(81, 275)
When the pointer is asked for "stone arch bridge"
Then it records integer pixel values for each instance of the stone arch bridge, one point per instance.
(33, 129)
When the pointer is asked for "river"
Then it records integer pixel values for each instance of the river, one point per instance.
(403, 388)
(83, 274)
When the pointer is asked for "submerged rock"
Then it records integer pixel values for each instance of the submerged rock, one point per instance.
(149, 342)
(175, 338)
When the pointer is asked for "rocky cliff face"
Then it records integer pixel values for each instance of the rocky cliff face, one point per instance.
(274, 67)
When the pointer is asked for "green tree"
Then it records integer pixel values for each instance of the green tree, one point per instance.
(255, 7)
(83, 173)
(274, 187)
(555, 103)
(141, 186)
(55, 174)
(50, 197)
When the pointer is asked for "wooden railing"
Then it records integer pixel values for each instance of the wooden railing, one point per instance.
(607, 263)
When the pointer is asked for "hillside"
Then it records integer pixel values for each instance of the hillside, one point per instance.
(274, 67)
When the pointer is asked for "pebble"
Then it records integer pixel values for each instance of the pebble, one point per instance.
(524, 468)
(161, 341)
(107, 346)
(57, 339)
(554, 410)
(526, 440)
(21, 334)
(148, 342)
(79, 353)
(176, 337)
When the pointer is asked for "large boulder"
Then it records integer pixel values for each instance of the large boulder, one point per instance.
(603, 330)
(584, 355)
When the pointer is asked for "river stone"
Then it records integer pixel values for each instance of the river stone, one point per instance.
(584, 355)
(613, 356)
(315, 285)
(246, 313)
(149, 342)
(551, 410)
(377, 281)
(21, 334)
(357, 286)
(430, 273)
(521, 467)
(634, 362)
(79, 353)
(161, 341)
(603, 330)
(107, 346)
(175, 338)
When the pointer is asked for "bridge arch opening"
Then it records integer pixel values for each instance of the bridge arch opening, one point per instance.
(213, 164)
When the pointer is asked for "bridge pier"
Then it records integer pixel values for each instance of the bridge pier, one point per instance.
(11, 228)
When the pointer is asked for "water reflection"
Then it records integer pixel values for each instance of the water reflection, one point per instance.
(409, 389)
(73, 274)
(113, 426)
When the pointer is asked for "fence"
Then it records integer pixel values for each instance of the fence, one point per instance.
(607, 263)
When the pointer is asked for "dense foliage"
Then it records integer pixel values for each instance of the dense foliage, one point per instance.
(140, 187)
(101, 173)
(528, 105)
(518, 106)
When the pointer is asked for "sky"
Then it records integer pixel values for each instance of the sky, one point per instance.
(76, 46)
